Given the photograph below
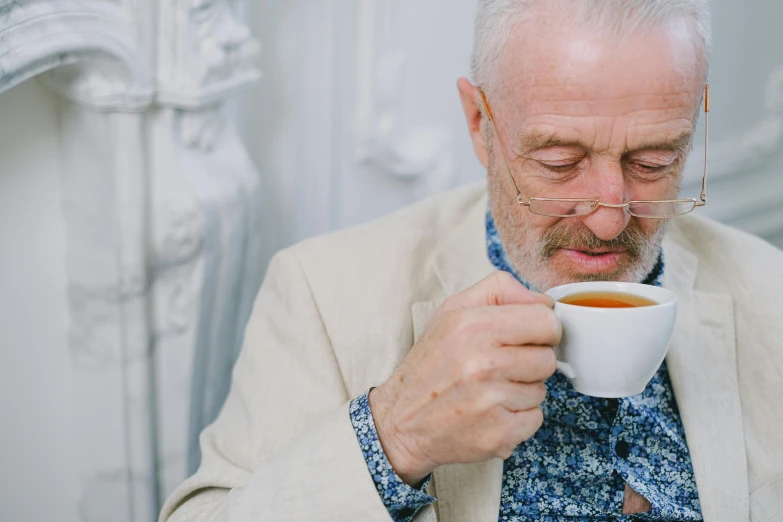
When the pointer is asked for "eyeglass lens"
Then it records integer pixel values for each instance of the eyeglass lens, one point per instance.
(644, 209)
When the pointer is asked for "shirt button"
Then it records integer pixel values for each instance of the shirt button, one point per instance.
(622, 449)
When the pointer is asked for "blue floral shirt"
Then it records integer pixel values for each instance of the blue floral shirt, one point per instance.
(574, 469)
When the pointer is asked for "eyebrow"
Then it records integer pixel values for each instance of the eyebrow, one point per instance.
(540, 140)
(529, 142)
(680, 145)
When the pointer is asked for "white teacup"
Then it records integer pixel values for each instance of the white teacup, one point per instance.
(613, 352)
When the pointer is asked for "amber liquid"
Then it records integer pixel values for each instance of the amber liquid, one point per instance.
(607, 300)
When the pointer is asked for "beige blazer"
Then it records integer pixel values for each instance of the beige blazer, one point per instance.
(337, 313)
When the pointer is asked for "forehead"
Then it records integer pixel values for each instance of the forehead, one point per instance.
(549, 66)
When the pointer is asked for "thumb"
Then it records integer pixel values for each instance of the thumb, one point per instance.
(498, 289)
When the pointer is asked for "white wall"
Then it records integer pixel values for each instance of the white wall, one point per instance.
(337, 71)
(36, 481)
(359, 98)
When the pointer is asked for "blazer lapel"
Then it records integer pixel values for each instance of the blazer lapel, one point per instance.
(462, 260)
(702, 363)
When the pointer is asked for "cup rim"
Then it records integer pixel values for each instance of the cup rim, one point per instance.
(666, 296)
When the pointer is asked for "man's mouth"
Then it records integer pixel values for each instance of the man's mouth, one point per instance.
(597, 252)
(594, 261)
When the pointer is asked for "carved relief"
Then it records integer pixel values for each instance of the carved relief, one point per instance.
(206, 53)
(422, 153)
(136, 230)
(177, 296)
(200, 129)
(179, 232)
(88, 46)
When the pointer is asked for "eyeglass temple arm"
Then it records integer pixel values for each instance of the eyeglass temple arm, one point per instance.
(520, 197)
(706, 144)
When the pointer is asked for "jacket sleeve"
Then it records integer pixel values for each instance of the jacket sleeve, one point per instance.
(283, 447)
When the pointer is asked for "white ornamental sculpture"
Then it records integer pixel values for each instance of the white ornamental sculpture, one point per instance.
(160, 202)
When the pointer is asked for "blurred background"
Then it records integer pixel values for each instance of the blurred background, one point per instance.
(154, 154)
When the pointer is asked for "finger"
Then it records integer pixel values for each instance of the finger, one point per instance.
(500, 288)
(521, 396)
(527, 364)
(521, 425)
(516, 364)
(513, 325)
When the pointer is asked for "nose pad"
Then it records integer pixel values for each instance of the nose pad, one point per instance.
(607, 222)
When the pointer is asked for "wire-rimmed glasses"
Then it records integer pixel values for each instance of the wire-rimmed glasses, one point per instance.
(580, 207)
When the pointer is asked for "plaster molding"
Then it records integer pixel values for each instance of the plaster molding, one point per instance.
(200, 129)
(88, 46)
(422, 153)
(179, 233)
(161, 219)
(205, 54)
(178, 236)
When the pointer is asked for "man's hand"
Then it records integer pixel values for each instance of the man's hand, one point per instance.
(471, 387)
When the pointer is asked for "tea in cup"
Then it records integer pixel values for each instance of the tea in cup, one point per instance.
(615, 335)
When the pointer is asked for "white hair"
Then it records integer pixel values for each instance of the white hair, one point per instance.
(495, 20)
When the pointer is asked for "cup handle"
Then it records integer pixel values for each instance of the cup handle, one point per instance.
(567, 369)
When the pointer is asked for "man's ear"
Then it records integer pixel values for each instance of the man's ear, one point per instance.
(470, 97)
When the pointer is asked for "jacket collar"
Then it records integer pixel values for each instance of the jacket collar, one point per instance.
(702, 364)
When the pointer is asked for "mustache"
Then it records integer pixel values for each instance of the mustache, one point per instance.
(631, 239)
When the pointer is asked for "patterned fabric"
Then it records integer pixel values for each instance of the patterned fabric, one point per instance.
(574, 469)
(401, 500)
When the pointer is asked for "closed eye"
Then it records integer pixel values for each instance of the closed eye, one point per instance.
(559, 169)
(651, 168)
(648, 170)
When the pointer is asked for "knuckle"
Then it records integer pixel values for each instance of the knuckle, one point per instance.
(528, 422)
(538, 392)
(505, 452)
(535, 418)
(449, 303)
(491, 397)
(489, 443)
(555, 325)
(511, 439)
(470, 370)
(463, 320)
(449, 321)
(550, 362)
(475, 369)
(550, 324)
(502, 277)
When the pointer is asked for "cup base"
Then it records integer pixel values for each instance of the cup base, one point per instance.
(604, 394)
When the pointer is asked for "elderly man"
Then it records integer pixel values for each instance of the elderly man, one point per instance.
(404, 369)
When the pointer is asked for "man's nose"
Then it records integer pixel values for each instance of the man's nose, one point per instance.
(607, 223)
